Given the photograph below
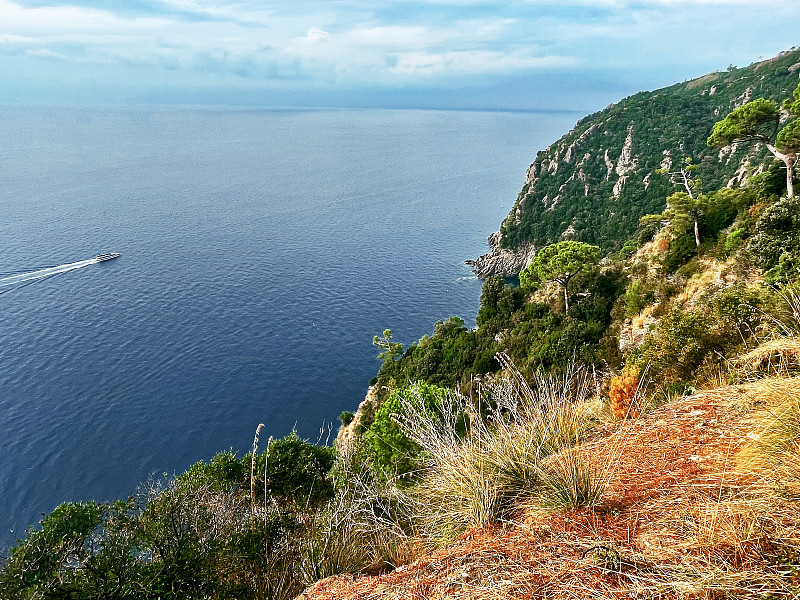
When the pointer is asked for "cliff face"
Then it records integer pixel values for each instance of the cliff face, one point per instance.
(502, 261)
(597, 181)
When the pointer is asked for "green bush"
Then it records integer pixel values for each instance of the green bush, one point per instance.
(346, 417)
(638, 295)
(51, 562)
(224, 472)
(296, 472)
(734, 240)
(679, 345)
(685, 339)
(680, 251)
(389, 450)
(776, 236)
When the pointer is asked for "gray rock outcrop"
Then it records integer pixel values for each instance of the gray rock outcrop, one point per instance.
(502, 261)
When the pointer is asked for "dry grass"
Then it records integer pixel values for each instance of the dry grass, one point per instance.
(697, 506)
(622, 393)
(365, 528)
(777, 356)
(779, 351)
(698, 285)
(485, 453)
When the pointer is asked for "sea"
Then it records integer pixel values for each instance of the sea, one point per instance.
(261, 249)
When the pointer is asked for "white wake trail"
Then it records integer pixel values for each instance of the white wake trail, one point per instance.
(42, 273)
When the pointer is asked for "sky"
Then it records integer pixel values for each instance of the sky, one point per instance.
(575, 55)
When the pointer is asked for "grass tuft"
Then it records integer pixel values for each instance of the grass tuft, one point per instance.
(483, 455)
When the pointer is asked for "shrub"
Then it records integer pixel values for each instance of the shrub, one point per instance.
(638, 295)
(681, 249)
(478, 476)
(734, 240)
(388, 448)
(51, 562)
(678, 346)
(622, 393)
(223, 473)
(777, 234)
(296, 472)
(346, 417)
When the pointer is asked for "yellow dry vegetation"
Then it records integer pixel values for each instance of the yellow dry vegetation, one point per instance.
(700, 499)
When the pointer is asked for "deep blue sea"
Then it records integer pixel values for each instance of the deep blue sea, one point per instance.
(260, 252)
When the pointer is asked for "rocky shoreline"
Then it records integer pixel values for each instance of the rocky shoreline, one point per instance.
(502, 261)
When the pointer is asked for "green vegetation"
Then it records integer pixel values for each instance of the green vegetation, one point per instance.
(596, 186)
(200, 535)
(472, 426)
(759, 121)
(387, 448)
(560, 263)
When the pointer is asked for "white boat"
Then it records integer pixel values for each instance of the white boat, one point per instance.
(109, 256)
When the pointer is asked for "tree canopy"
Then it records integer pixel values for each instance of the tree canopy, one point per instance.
(559, 263)
(759, 121)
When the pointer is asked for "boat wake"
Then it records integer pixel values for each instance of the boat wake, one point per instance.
(17, 281)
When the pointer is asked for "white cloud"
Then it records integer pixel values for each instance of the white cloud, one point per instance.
(421, 63)
(47, 54)
(645, 4)
(388, 42)
(57, 19)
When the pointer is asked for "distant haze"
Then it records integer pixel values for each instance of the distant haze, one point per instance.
(534, 54)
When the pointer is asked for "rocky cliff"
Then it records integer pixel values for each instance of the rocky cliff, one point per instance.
(597, 181)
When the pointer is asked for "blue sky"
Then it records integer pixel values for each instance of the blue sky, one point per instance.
(518, 54)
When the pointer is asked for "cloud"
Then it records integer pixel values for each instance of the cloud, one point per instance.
(484, 62)
(46, 54)
(362, 43)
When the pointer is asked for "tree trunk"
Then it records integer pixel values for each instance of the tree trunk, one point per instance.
(789, 160)
(566, 300)
(696, 233)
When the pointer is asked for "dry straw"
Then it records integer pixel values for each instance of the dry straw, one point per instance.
(487, 455)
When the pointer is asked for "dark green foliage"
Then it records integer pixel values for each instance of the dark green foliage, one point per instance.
(533, 335)
(296, 472)
(757, 119)
(685, 339)
(677, 119)
(224, 473)
(719, 210)
(638, 295)
(346, 417)
(772, 182)
(443, 359)
(50, 562)
(788, 138)
(498, 302)
(388, 450)
(776, 240)
(647, 232)
(680, 345)
(760, 121)
(198, 536)
(559, 263)
(680, 251)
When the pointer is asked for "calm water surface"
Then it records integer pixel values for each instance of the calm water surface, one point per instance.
(260, 252)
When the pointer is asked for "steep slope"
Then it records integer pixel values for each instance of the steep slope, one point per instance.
(685, 516)
(596, 182)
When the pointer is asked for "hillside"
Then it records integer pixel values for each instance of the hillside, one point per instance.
(559, 449)
(595, 183)
(689, 509)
